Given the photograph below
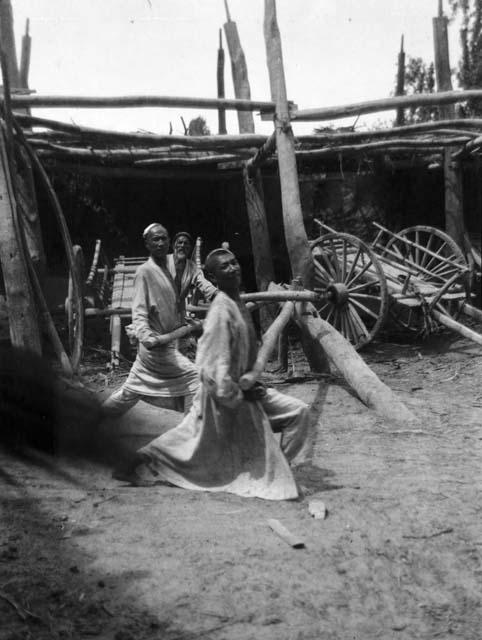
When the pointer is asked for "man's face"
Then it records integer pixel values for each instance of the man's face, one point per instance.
(182, 247)
(227, 272)
(157, 242)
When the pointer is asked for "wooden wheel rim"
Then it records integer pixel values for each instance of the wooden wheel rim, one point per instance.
(74, 306)
(435, 240)
(350, 275)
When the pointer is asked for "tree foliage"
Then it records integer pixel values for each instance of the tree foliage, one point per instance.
(469, 73)
(198, 127)
(419, 78)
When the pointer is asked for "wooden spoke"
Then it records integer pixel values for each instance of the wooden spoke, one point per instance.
(365, 296)
(358, 321)
(359, 274)
(353, 265)
(363, 308)
(365, 285)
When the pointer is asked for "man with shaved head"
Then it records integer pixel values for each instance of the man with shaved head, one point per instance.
(160, 375)
(227, 440)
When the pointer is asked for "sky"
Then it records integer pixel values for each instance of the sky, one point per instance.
(335, 52)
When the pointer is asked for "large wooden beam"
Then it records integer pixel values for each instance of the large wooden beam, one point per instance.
(253, 183)
(400, 84)
(126, 102)
(369, 388)
(454, 207)
(22, 312)
(7, 41)
(239, 70)
(25, 58)
(385, 104)
(295, 234)
(220, 84)
(443, 73)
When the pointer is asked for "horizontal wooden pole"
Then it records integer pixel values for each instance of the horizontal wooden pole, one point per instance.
(281, 296)
(375, 106)
(470, 310)
(199, 142)
(453, 325)
(123, 102)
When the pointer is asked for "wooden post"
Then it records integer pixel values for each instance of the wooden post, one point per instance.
(295, 234)
(22, 313)
(443, 74)
(25, 57)
(7, 40)
(253, 183)
(454, 208)
(239, 70)
(296, 239)
(400, 120)
(220, 83)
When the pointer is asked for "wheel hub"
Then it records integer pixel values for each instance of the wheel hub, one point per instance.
(337, 293)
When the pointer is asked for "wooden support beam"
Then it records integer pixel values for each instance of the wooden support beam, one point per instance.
(369, 388)
(239, 71)
(443, 73)
(262, 154)
(25, 58)
(454, 208)
(295, 234)
(22, 312)
(126, 102)
(400, 84)
(376, 106)
(220, 84)
(253, 183)
(105, 135)
(7, 40)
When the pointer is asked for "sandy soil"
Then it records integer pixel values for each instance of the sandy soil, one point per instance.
(398, 556)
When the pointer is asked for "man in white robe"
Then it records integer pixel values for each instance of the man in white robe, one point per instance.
(226, 441)
(160, 375)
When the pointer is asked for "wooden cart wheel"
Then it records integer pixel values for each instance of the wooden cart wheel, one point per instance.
(74, 308)
(436, 259)
(351, 278)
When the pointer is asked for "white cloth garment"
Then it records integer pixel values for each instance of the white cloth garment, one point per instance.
(225, 442)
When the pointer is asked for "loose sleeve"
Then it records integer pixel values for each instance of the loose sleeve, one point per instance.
(214, 359)
(203, 285)
(140, 309)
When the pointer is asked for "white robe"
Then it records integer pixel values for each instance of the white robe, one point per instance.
(225, 443)
(163, 371)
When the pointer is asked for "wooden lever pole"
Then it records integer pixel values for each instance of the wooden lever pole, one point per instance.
(270, 341)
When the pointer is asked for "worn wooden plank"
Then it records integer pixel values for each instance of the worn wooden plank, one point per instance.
(22, 312)
(286, 535)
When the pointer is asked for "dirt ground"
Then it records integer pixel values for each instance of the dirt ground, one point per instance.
(398, 555)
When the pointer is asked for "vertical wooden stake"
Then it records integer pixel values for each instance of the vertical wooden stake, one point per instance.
(7, 40)
(25, 58)
(443, 74)
(454, 208)
(253, 184)
(400, 84)
(296, 238)
(220, 82)
(22, 312)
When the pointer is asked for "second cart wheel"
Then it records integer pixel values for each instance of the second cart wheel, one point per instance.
(436, 259)
(351, 278)
(74, 307)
